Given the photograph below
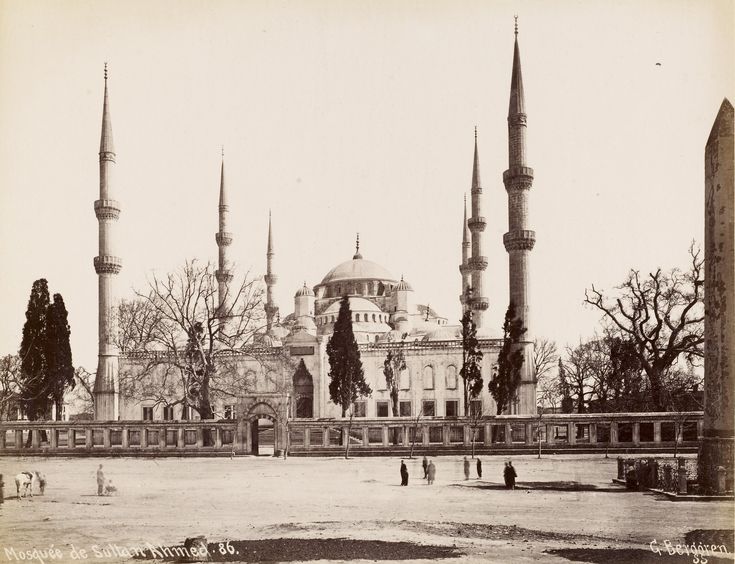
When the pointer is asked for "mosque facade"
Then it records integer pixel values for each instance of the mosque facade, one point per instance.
(385, 314)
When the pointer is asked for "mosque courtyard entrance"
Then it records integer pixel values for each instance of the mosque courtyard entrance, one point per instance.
(262, 423)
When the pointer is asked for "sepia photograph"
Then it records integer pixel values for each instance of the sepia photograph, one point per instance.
(264, 262)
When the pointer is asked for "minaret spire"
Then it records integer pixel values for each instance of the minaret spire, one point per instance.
(477, 263)
(271, 309)
(224, 239)
(107, 265)
(519, 240)
(464, 267)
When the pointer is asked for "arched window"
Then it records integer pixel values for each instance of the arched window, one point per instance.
(404, 380)
(428, 377)
(451, 377)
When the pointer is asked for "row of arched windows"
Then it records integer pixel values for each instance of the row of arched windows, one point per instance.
(429, 380)
(357, 317)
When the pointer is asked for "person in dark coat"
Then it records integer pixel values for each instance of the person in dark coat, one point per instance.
(425, 464)
(509, 476)
(479, 468)
(404, 474)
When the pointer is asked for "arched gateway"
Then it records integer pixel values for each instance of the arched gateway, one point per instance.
(260, 415)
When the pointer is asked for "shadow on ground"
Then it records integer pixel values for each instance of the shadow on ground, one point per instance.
(627, 556)
(560, 486)
(293, 550)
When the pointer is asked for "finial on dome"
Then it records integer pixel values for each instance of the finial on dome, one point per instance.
(516, 25)
(428, 308)
(357, 254)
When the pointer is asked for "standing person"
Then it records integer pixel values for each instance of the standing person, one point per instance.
(479, 468)
(425, 464)
(512, 475)
(506, 475)
(431, 472)
(404, 474)
(100, 480)
(466, 469)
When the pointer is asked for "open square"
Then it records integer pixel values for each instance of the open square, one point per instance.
(561, 503)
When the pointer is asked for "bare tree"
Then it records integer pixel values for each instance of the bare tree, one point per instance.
(414, 426)
(185, 343)
(662, 314)
(10, 386)
(544, 356)
(476, 419)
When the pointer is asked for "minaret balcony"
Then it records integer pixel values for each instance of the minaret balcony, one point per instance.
(106, 209)
(477, 263)
(107, 264)
(517, 175)
(521, 240)
(223, 276)
(479, 303)
(223, 238)
(476, 223)
(465, 269)
(270, 279)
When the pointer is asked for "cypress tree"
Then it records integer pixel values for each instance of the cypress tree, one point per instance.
(503, 387)
(471, 358)
(58, 353)
(34, 392)
(345, 367)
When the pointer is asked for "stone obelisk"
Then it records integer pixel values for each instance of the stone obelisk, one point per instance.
(716, 450)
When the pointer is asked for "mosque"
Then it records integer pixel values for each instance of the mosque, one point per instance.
(385, 315)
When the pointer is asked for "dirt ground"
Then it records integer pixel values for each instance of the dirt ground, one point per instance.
(318, 509)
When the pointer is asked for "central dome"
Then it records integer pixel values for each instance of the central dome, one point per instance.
(358, 269)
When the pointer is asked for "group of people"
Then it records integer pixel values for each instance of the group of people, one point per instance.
(467, 469)
(509, 472)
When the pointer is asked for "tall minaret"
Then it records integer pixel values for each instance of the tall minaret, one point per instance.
(477, 262)
(464, 268)
(519, 240)
(224, 240)
(107, 265)
(271, 309)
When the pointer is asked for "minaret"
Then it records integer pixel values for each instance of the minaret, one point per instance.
(224, 240)
(464, 268)
(107, 265)
(477, 262)
(519, 240)
(271, 309)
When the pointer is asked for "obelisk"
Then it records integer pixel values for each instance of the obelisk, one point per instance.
(716, 446)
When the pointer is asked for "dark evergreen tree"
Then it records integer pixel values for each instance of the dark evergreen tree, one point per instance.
(567, 403)
(60, 369)
(345, 367)
(34, 398)
(471, 371)
(505, 384)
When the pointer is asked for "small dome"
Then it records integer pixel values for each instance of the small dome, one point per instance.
(442, 333)
(358, 269)
(278, 332)
(393, 336)
(304, 291)
(403, 286)
(356, 305)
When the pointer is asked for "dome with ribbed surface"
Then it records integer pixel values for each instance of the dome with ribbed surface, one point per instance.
(304, 291)
(358, 269)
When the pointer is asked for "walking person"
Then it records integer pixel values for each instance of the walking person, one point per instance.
(425, 464)
(466, 469)
(100, 480)
(431, 472)
(479, 468)
(509, 476)
(404, 474)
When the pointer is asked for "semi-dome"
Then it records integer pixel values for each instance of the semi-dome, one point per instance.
(358, 269)
(356, 304)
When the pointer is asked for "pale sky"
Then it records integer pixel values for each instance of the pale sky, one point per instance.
(346, 116)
